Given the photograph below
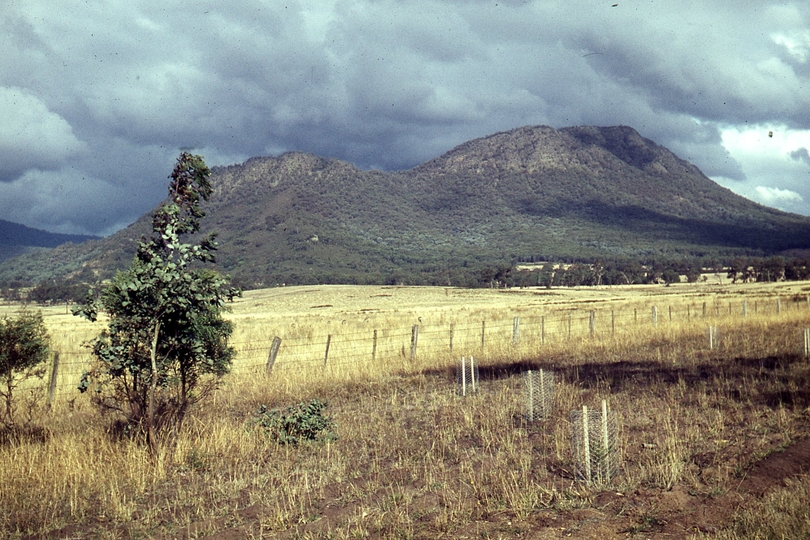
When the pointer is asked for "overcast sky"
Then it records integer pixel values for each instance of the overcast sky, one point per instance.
(98, 97)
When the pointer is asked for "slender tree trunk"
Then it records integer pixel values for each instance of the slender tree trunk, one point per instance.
(9, 421)
(150, 415)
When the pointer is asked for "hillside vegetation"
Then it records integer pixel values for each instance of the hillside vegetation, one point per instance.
(533, 193)
(16, 239)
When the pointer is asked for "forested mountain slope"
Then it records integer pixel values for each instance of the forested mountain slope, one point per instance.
(530, 193)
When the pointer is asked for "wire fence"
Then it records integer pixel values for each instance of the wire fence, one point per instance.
(526, 332)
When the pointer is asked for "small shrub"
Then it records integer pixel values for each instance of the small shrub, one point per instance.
(24, 348)
(291, 425)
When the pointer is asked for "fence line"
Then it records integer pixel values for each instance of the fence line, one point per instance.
(525, 331)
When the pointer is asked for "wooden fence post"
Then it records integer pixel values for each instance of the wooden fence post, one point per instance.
(592, 322)
(414, 340)
(655, 315)
(54, 374)
(516, 331)
(326, 354)
(374, 346)
(483, 333)
(543, 330)
(271, 359)
(452, 328)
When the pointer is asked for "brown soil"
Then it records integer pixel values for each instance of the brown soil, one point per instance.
(646, 513)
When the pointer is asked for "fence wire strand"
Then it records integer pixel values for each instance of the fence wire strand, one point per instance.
(527, 331)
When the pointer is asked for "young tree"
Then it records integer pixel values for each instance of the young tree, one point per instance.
(166, 345)
(24, 346)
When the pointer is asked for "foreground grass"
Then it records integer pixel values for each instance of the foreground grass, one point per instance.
(415, 460)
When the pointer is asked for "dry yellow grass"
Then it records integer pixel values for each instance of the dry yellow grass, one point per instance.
(413, 460)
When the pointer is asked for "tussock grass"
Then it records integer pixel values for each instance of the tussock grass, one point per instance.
(414, 459)
(781, 514)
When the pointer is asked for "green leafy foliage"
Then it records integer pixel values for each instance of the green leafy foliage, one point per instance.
(24, 347)
(296, 423)
(166, 344)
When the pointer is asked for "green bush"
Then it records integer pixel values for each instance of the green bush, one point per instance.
(24, 348)
(302, 422)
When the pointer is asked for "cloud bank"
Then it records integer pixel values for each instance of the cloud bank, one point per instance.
(99, 98)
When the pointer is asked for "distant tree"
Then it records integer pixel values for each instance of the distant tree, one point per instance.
(632, 271)
(525, 278)
(487, 277)
(773, 269)
(797, 269)
(10, 294)
(504, 276)
(749, 272)
(736, 269)
(718, 270)
(670, 276)
(24, 346)
(598, 271)
(546, 277)
(53, 291)
(693, 271)
(166, 345)
(574, 276)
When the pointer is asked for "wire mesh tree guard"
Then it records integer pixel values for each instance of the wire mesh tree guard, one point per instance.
(467, 380)
(713, 337)
(538, 394)
(594, 442)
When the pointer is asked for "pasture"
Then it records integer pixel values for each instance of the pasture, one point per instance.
(711, 437)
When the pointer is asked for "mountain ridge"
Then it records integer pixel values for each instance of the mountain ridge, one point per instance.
(17, 239)
(580, 192)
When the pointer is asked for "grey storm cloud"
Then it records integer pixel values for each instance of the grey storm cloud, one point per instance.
(97, 100)
(801, 154)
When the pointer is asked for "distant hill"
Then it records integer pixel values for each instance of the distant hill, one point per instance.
(528, 194)
(16, 239)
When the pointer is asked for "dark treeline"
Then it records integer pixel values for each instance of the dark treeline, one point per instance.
(630, 272)
(472, 274)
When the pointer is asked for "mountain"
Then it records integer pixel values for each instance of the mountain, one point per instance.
(527, 194)
(16, 239)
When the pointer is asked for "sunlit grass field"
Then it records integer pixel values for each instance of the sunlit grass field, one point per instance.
(412, 459)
